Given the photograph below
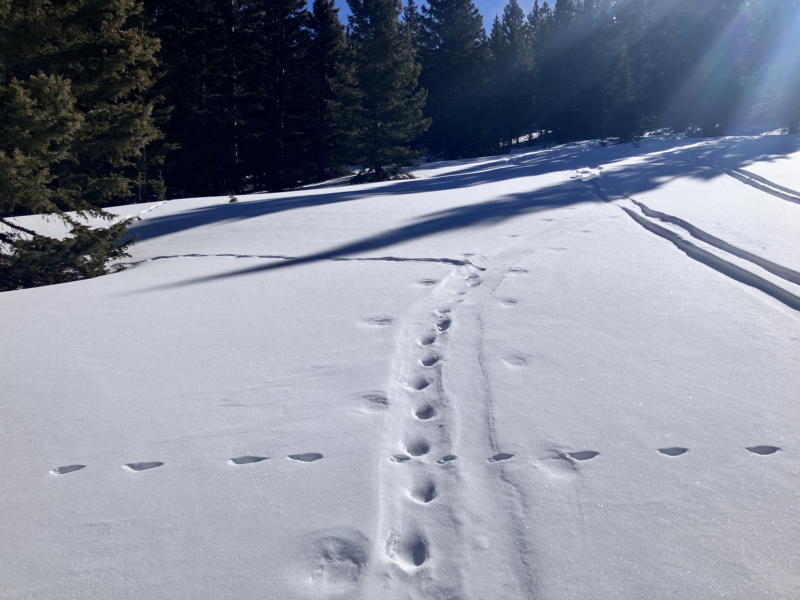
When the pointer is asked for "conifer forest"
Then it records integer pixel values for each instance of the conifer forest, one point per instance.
(107, 102)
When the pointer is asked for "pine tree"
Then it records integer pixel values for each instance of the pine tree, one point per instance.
(273, 92)
(539, 20)
(515, 72)
(413, 20)
(200, 70)
(332, 83)
(72, 129)
(454, 59)
(390, 112)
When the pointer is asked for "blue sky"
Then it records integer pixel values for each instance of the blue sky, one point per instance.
(488, 8)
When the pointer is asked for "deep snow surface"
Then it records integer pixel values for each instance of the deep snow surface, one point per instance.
(557, 374)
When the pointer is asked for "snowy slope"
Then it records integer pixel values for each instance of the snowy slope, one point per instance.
(557, 374)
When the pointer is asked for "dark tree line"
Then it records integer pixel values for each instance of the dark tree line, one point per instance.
(267, 95)
(114, 101)
(585, 69)
(270, 95)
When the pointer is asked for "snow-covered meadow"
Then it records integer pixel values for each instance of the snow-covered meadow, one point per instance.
(559, 374)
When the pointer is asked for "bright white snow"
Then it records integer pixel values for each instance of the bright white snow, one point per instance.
(528, 376)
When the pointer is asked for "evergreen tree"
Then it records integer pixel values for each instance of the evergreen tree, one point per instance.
(332, 93)
(413, 20)
(273, 92)
(628, 72)
(390, 113)
(539, 21)
(200, 70)
(454, 59)
(513, 69)
(72, 129)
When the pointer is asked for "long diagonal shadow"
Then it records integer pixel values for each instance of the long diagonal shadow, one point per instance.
(698, 160)
(485, 213)
(690, 158)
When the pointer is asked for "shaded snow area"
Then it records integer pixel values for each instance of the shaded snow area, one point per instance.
(560, 374)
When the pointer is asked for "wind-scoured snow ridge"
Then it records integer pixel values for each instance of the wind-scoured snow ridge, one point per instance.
(774, 268)
(765, 185)
(734, 272)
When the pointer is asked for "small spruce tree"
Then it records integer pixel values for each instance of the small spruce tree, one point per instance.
(72, 128)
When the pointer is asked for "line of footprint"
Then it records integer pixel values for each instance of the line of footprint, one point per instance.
(581, 455)
(412, 547)
(426, 413)
(306, 457)
(584, 455)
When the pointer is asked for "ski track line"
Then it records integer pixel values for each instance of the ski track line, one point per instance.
(762, 184)
(516, 506)
(707, 258)
(504, 530)
(710, 260)
(786, 273)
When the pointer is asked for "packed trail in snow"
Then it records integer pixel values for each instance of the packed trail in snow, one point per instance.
(555, 374)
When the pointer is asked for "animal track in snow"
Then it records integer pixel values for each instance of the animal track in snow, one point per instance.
(583, 454)
(515, 360)
(374, 401)
(417, 383)
(67, 469)
(475, 283)
(412, 550)
(380, 321)
(518, 271)
(417, 447)
(339, 565)
(500, 456)
(676, 451)
(446, 459)
(427, 282)
(419, 553)
(444, 324)
(507, 302)
(400, 458)
(423, 413)
(473, 276)
(306, 457)
(429, 361)
(763, 450)
(142, 466)
(558, 466)
(424, 493)
(427, 339)
(247, 460)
